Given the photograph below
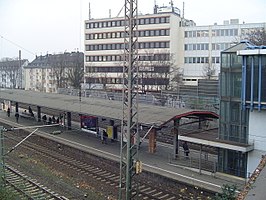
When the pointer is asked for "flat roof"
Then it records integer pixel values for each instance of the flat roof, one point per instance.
(210, 138)
(157, 116)
(147, 114)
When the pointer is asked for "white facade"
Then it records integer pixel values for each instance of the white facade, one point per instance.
(203, 44)
(158, 35)
(40, 79)
(12, 73)
(195, 49)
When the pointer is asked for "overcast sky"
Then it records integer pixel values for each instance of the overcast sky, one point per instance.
(40, 26)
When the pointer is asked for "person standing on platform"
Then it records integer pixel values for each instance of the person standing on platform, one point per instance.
(186, 149)
(8, 112)
(44, 119)
(104, 137)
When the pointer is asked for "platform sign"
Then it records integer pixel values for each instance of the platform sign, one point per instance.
(89, 123)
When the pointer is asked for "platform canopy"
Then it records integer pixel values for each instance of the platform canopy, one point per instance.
(148, 114)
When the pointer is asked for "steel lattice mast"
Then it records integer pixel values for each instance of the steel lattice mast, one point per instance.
(129, 129)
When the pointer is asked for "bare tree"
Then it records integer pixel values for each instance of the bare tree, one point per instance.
(158, 70)
(75, 74)
(208, 71)
(89, 74)
(59, 68)
(257, 36)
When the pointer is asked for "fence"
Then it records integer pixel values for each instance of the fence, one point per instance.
(167, 100)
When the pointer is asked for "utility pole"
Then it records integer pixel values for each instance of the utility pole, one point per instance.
(129, 128)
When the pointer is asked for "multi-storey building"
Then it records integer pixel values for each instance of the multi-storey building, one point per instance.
(203, 44)
(242, 107)
(48, 73)
(168, 45)
(12, 73)
(158, 45)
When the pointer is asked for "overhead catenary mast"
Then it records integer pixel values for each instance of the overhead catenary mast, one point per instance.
(129, 128)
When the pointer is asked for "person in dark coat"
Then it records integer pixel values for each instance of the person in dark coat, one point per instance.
(105, 136)
(31, 112)
(53, 119)
(186, 149)
(8, 112)
(44, 118)
(50, 120)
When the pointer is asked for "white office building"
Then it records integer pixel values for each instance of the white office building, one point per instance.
(168, 45)
(159, 42)
(203, 45)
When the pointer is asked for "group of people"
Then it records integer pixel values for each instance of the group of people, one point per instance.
(16, 115)
(50, 120)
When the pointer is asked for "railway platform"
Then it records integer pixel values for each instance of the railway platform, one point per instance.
(157, 162)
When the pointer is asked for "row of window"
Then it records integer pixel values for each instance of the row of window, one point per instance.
(202, 46)
(205, 46)
(144, 81)
(221, 46)
(121, 34)
(119, 69)
(120, 46)
(205, 33)
(201, 60)
(108, 58)
(117, 23)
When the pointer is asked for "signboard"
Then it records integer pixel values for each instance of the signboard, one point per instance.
(89, 123)
(110, 131)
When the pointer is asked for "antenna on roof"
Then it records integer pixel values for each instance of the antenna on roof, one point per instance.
(155, 7)
(172, 5)
(110, 13)
(183, 14)
(89, 10)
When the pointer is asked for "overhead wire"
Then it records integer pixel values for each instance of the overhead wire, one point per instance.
(17, 45)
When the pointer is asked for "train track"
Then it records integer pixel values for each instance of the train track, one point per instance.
(109, 178)
(28, 188)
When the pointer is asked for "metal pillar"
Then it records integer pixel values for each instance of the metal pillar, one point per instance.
(129, 127)
(69, 120)
(176, 142)
(200, 152)
(16, 107)
(38, 113)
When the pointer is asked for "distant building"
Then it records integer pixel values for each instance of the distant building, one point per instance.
(203, 45)
(167, 42)
(12, 73)
(242, 108)
(48, 73)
